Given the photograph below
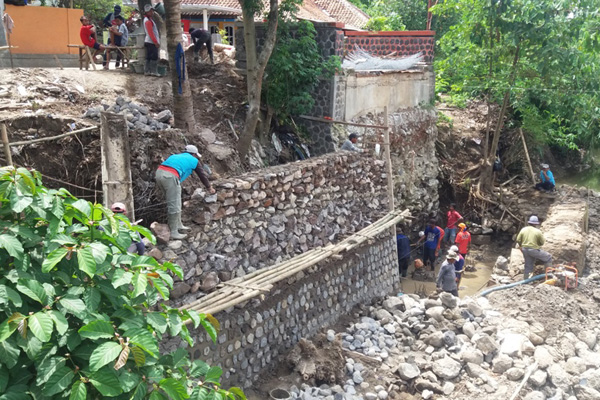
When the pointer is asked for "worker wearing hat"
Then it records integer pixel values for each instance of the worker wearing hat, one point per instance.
(546, 179)
(530, 240)
(446, 280)
(169, 176)
(137, 246)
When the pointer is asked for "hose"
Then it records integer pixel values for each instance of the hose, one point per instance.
(494, 289)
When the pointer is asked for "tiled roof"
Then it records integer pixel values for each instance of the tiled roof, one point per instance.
(219, 3)
(314, 10)
(344, 11)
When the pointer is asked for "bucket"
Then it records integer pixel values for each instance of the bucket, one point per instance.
(162, 70)
(137, 67)
(280, 394)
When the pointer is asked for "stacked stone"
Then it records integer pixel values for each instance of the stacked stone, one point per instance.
(255, 334)
(261, 218)
(434, 344)
(402, 44)
(138, 116)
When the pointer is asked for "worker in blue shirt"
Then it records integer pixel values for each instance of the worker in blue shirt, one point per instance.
(403, 245)
(432, 236)
(546, 178)
(169, 176)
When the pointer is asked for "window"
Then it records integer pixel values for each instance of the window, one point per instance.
(229, 33)
(214, 29)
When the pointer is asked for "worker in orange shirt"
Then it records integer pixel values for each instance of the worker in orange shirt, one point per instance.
(463, 240)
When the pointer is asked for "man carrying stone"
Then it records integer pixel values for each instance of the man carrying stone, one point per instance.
(446, 280)
(530, 240)
(349, 144)
(200, 37)
(169, 176)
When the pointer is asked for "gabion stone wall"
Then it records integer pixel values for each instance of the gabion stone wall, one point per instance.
(260, 218)
(404, 43)
(256, 334)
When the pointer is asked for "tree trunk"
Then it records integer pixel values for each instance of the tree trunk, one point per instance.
(255, 68)
(485, 181)
(183, 107)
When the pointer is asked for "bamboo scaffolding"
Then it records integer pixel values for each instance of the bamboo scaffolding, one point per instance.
(239, 290)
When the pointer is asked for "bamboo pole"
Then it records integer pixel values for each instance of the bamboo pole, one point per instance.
(46, 139)
(335, 121)
(388, 159)
(527, 155)
(7, 154)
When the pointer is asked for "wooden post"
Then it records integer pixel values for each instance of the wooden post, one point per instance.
(388, 159)
(527, 156)
(7, 154)
(116, 168)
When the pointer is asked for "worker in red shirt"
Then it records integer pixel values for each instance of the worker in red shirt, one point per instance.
(88, 35)
(463, 240)
(453, 217)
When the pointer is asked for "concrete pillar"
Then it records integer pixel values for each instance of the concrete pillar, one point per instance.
(205, 19)
(116, 168)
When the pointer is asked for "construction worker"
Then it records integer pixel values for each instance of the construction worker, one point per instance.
(446, 280)
(403, 247)
(459, 265)
(349, 144)
(151, 42)
(169, 176)
(530, 239)
(137, 246)
(463, 240)
(453, 217)
(547, 181)
(433, 238)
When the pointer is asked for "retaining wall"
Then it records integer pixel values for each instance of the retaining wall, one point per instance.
(564, 231)
(256, 334)
(264, 217)
(402, 43)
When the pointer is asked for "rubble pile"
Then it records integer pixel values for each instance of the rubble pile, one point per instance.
(443, 347)
(138, 116)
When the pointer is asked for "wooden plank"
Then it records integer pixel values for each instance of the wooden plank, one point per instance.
(527, 155)
(7, 153)
(116, 166)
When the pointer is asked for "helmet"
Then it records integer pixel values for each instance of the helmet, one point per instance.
(421, 234)
(118, 208)
(454, 248)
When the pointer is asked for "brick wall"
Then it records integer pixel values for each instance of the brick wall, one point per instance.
(404, 43)
(257, 333)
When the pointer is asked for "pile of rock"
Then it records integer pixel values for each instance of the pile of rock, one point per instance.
(447, 348)
(138, 116)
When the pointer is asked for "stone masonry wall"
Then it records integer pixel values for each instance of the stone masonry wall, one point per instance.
(256, 334)
(261, 218)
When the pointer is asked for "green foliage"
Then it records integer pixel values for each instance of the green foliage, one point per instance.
(295, 69)
(555, 95)
(96, 10)
(81, 318)
(224, 37)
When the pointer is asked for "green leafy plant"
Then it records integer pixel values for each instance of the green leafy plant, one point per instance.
(80, 318)
(295, 69)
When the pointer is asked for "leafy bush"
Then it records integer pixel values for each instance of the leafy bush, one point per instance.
(295, 69)
(81, 318)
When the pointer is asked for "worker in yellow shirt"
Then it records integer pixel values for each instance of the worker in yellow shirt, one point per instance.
(530, 240)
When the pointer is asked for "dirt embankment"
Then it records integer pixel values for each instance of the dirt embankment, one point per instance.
(41, 103)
